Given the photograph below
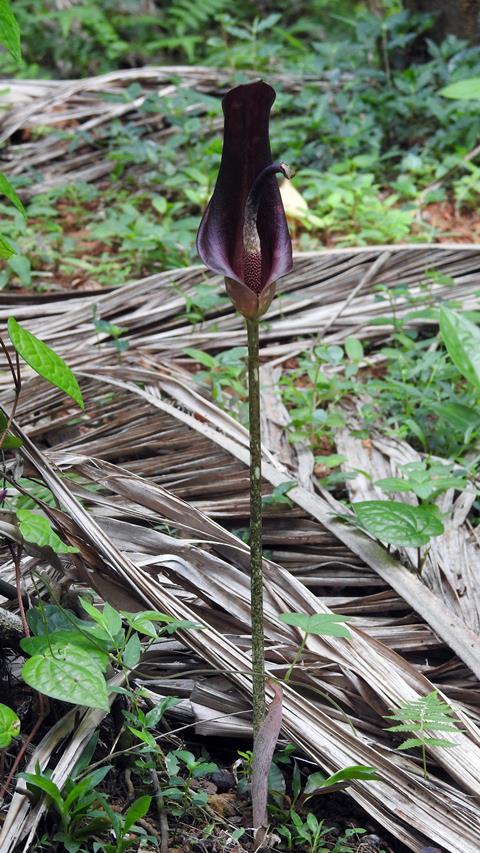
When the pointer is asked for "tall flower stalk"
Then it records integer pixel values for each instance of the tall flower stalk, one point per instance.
(244, 236)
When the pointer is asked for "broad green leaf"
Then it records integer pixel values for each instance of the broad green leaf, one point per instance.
(9, 30)
(137, 810)
(9, 726)
(459, 416)
(10, 442)
(36, 780)
(6, 250)
(354, 349)
(324, 624)
(7, 189)
(71, 675)
(394, 484)
(276, 779)
(112, 619)
(146, 737)
(86, 784)
(46, 642)
(153, 717)
(462, 340)
(37, 529)
(399, 524)
(44, 361)
(142, 625)
(331, 461)
(22, 267)
(47, 618)
(355, 771)
(463, 90)
(92, 611)
(132, 652)
(202, 357)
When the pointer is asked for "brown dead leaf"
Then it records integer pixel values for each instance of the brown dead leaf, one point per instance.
(223, 804)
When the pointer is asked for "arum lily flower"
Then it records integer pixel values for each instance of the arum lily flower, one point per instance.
(244, 234)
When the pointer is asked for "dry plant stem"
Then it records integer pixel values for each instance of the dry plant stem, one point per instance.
(162, 814)
(17, 382)
(256, 578)
(16, 552)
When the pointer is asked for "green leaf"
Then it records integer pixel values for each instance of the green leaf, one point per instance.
(410, 743)
(324, 624)
(10, 31)
(47, 618)
(463, 90)
(354, 349)
(331, 461)
(22, 267)
(462, 340)
(112, 620)
(86, 784)
(394, 484)
(183, 625)
(44, 361)
(137, 810)
(10, 442)
(355, 771)
(92, 611)
(153, 717)
(5, 185)
(202, 357)
(459, 416)
(132, 652)
(37, 780)
(146, 737)
(46, 642)
(72, 675)
(9, 726)
(141, 624)
(6, 250)
(37, 529)
(399, 524)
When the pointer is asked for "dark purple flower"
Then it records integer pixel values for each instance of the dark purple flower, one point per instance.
(244, 234)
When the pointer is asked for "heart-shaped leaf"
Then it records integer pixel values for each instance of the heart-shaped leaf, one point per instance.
(9, 726)
(37, 529)
(399, 524)
(70, 674)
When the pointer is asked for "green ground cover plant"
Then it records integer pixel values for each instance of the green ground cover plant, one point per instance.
(365, 152)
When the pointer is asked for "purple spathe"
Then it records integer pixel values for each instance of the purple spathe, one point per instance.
(250, 270)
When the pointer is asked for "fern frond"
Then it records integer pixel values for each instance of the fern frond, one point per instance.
(190, 15)
(421, 717)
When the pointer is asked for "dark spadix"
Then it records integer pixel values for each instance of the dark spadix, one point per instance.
(244, 234)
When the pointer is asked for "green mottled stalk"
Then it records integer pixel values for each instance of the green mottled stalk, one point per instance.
(256, 584)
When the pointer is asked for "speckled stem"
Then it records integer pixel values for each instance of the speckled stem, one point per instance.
(256, 579)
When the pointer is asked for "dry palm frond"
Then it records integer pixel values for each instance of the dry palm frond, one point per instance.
(161, 453)
(89, 104)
